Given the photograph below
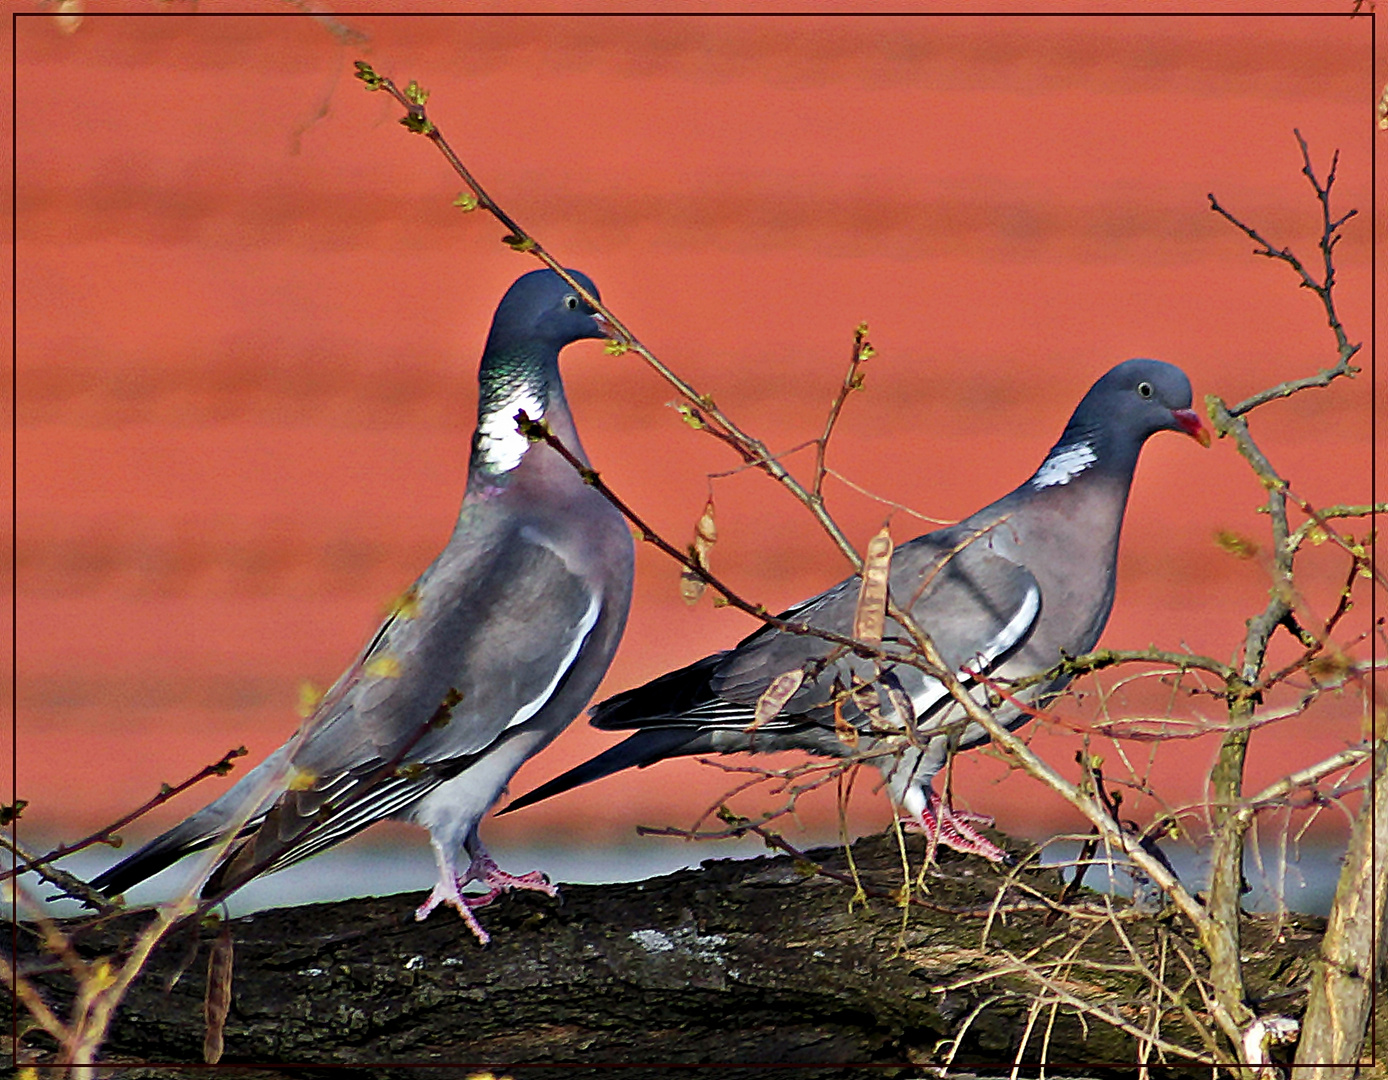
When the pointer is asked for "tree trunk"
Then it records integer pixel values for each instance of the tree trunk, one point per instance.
(1337, 1012)
(749, 962)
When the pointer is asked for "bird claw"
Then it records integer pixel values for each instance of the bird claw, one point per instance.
(463, 905)
(970, 818)
(942, 824)
(497, 880)
(534, 881)
(480, 900)
(483, 868)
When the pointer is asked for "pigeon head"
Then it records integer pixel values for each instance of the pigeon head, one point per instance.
(1127, 406)
(1142, 397)
(538, 316)
(542, 312)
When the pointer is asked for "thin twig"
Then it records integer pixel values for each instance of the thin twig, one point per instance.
(1323, 288)
(722, 427)
(539, 431)
(107, 834)
(69, 884)
(846, 482)
(853, 380)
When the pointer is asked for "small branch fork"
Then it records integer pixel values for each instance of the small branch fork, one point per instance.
(539, 431)
(930, 663)
(1324, 288)
(1113, 802)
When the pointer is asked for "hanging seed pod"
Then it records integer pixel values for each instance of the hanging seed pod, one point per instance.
(870, 616)
(217, 1002)
(705, 536)
(773, 699)
(847, 733)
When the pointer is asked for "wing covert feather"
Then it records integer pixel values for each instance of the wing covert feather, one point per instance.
(971, 601)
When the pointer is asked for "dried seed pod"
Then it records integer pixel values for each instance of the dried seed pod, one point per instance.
(705, 536)
(870, 616)
(773, 699)
(217, 1002)
(847, 733)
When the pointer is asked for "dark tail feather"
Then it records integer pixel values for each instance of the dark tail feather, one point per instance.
(657, 704)
(641, 749)
(657, 701)
(159, 853)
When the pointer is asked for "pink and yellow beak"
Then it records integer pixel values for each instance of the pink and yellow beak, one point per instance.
(1190, 422)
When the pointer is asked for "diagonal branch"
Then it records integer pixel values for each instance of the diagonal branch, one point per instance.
(752, 450)
(107, 834)
(539, 431)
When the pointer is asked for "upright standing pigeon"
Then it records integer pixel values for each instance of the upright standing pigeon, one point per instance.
(1003, 594)
(484, 660)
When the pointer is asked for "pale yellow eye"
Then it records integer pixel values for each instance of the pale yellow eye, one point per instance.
(571, 302)
(1144, 389)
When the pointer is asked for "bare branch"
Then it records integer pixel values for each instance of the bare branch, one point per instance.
(69, 884)
(107, 834)
(539, 431)
(1276, 791)
(1100, 659)
(1324, 288)
(750, 449)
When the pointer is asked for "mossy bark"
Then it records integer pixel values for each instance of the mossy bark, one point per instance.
(746, 963)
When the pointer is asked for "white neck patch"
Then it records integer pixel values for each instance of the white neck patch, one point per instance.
(1064, 464)
(499, 442)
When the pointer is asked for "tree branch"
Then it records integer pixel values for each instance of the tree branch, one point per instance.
(752, 450)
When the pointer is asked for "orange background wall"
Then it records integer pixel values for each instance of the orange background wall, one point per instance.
(249, 319)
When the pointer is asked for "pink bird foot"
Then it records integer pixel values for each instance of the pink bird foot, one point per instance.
(497, 880)
(942, 824)
(449, 891)
(483, 868)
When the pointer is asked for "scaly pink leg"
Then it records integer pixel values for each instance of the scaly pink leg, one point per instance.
(483, 868)
(942, 824)
(449, 891)
(497, 880)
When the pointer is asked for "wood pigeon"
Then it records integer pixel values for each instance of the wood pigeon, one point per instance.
(1005, 593)
(484, 660)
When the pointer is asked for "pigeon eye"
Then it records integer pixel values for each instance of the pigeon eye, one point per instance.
(1144, 389)
(571, 302)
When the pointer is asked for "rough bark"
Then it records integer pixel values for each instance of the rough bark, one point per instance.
(1352, 952)
(745, 962)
